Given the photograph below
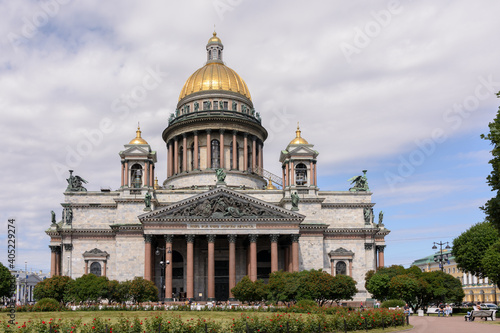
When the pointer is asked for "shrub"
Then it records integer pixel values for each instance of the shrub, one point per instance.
(392, 303)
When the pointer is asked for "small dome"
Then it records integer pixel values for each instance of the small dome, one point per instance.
(138, 140)
(298, 139)
(214, 39)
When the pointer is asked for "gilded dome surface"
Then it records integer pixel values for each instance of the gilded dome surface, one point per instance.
(215, 76)
(138, 140)
(298, 139)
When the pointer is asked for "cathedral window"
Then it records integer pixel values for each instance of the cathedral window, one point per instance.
(216, 105)
(95, 268)
(225, 105)
(186, 108)
(237, 167)
(300, 174)
(181, 155)
(340, 268)
(215, 154)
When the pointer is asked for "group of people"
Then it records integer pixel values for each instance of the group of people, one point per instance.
(445, 309)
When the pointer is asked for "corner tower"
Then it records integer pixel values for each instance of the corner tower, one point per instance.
(214, 126)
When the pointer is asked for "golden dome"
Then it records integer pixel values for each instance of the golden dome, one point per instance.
(138, 140)
(298, 139)
(270, 185)
(215, 76)
(214, 39)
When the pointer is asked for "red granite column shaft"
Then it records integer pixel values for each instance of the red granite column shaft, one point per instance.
(190, 266)
(254, 155)
(234, 162)
(211, 268)
(86, 267)
(381, 255)
(292, 175)
(274, 253)
(350, 267)
(295, 252)
(170, 162)
(209, 151)
(331, 266)
(147, 257)
(104, 266)
(195, 154)
(176, 156)
(151, 174)
(232, 264)
(122, 168)
(184, 152)
(261, 158)
(245, 152)
(58, 261)
(168, 267)
(146, 174)
(52, 261)
(126, 174)
(253, 257)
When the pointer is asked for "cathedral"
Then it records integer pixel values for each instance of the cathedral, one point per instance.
(219, 215)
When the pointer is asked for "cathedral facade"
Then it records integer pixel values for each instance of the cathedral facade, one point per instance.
(219, 215)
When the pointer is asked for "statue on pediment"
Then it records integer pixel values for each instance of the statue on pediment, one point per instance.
(295, 201)
(221, 175)
(360, 183)
(75, 183)
(147, 201)
(53, 215)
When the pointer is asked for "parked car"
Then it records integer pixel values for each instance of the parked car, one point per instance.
(489, 306)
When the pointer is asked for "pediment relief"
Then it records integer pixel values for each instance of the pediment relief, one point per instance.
(221, 204)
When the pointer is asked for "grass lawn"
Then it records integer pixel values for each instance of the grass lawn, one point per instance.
(115, 316)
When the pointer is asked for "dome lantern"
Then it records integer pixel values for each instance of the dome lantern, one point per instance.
(298, 139)
(214, 49)
(138, 140)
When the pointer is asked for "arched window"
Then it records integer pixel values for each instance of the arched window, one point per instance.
(215, 154)
(249, 158)
(136, 176)
(181, 154)
(237, 155)
(340, 268)
(209, 54)
(300, 174)
(95, 268)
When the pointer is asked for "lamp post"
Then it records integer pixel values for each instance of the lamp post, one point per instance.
(440, 258)
(163, 263)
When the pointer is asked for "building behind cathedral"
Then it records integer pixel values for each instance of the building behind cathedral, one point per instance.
(219, 215)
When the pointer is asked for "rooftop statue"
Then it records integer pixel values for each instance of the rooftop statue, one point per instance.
(360, 183)
(75, 183)
(221, 175)
(53, 220)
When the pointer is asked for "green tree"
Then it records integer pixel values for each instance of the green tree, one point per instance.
(405, 287)
(54, 287)
(141, 290)
(315, 285)
(492, 206)
(377, 283)
(442, 287)
(87, 288)
(283, 286)
(491, 263)
(470, 247)
(342, 287)
(6, 281)
(247, 291)
(118, 291)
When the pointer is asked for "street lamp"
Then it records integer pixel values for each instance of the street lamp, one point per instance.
(163, 263)
(440, 258)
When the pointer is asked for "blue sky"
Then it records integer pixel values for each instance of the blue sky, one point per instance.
(402, 89)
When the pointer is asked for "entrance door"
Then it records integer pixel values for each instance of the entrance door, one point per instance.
(221, 280)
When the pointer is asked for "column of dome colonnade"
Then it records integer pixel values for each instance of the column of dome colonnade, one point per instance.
(190, 249)
(214, 126)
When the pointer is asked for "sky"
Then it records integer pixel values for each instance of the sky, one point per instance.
(401, 89)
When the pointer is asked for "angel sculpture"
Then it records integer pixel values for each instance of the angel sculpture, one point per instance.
(360, 183)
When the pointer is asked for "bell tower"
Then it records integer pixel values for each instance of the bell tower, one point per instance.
(138, 164)
(298, 162)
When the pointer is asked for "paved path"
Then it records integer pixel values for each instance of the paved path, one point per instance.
(455, 324)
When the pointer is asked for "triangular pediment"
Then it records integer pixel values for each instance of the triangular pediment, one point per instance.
(135, 150)
(221, 204)
(303, 150)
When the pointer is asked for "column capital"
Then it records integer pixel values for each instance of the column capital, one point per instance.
(208, 131)
(148, 238)
(221, 131)
(368, 246)
(68, 247)
(231, 238)
(184, 135)
(245, 135)
(190, 238)
(175, 138)
(168, 238)
(295, 238)
(380, 248)
(235, 132)
(274, 238)
(253, 238)
(195, 132)
(55, 248)
(211, 238)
